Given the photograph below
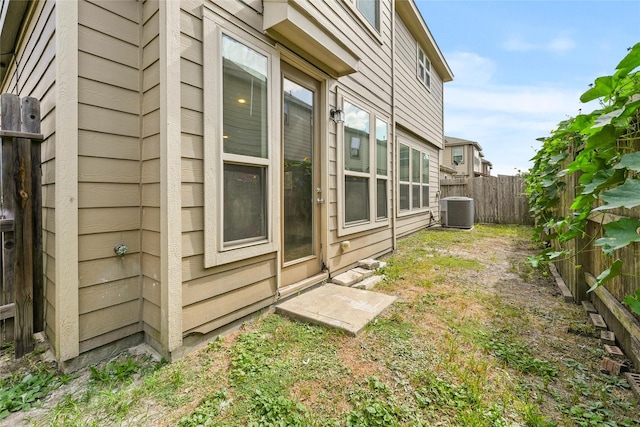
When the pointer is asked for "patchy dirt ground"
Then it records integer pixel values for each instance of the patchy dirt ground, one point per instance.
(471, 311)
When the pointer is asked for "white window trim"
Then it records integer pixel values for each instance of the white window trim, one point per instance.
(421, 149)
(382, 177)
(214, 26)
(375, 33)
(426, 65)
(373, 222)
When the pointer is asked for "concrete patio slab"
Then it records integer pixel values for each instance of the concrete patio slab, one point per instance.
(331, 305)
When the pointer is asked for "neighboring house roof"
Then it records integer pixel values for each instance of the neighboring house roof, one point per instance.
(487, 162)
(445, 168)
(413, 19)
(450, 141)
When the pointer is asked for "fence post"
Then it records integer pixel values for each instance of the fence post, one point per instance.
(10, 121)
(31, 123)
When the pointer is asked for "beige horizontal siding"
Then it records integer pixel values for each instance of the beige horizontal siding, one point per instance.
(105, 295)
(364, 245)
(200, 317)
(102, 145)
(110, 269)
(109, 319)
(417, 108)
(100, 245)
(105, 220)
(150, 171)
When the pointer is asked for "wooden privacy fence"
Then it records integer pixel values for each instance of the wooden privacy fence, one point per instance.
(496, 199)
(21, 287)
(587, 261)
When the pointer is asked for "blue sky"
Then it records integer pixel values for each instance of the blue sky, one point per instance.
(520, 66)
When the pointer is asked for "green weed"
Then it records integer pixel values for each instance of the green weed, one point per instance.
(114, 372)
(20, 393)
(207, 411)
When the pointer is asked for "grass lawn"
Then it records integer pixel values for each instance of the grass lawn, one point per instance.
(477, 338)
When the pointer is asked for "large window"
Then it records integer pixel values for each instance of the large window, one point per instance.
(239, 183)
(365, 169)
(413, 177)
(245, 137)
(424, 68)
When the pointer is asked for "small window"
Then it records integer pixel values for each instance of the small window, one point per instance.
(370, 9)
(456, 155)
(424, 68)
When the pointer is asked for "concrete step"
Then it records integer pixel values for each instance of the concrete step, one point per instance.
(369, 283)
(336, 306)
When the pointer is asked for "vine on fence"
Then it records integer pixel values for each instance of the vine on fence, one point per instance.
(604, 155)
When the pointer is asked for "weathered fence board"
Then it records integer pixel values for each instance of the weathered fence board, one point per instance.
(21, 289)
(497, 199)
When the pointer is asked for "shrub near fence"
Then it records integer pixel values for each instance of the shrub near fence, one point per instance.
(496, 199)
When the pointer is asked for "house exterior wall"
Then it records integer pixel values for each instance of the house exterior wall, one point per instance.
(141, 167)
(419, 108)
(109, 197)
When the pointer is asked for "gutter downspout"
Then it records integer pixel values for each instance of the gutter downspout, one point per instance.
(394, 234)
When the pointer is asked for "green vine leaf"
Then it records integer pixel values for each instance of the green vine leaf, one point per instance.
(626, 195)
(606, 119)
(633, 301)
(619, 234)
(606, 136)
(608, 274)
(631, 61)
(603, 86)
(630, 162)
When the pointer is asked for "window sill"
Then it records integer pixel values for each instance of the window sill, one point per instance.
(361, 227)
(404, 214)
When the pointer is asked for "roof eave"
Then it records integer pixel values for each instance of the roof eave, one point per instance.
(11, 19)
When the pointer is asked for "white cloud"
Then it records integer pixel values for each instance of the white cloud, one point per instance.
(515, 44)
(559, 44)
(505, 119)
(471, 68)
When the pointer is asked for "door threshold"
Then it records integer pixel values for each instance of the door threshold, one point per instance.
(303, 284)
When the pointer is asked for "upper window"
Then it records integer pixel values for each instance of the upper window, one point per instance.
(477, 163)
(239, 165)
(457, 155)
(369, 10)
(413, 165)
(424, 68)
(365, 169)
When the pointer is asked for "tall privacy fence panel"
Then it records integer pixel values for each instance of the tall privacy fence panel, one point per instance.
(21, 287)
(496, 199)
(588, 261)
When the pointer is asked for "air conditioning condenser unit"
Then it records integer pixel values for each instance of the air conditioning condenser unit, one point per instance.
(456, 212)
